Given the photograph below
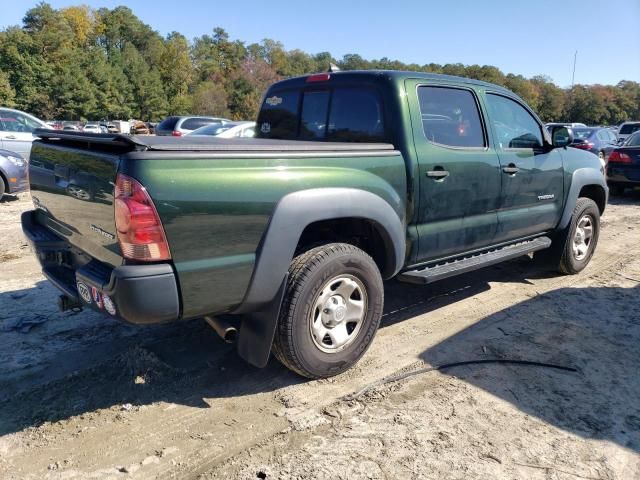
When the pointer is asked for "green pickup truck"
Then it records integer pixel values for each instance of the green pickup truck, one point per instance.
(282, 242)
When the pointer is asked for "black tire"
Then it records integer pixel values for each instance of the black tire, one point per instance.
(3, 187)
(561, 256)
(294, 345)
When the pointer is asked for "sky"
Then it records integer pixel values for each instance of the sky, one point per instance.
(528, 38)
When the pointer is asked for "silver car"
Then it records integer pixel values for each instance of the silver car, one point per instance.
(16, 129)
(178, 126)
(13, 173)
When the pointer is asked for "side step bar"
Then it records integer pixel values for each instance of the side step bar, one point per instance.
(440, 271)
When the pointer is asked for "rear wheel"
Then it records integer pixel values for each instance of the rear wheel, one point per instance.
(331, 310)
(3, 187)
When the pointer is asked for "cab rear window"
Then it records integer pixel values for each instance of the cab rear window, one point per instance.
(341, 114)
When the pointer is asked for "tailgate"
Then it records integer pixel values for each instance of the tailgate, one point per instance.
(72, 190)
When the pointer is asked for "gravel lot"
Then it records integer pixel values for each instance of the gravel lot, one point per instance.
(83, 396)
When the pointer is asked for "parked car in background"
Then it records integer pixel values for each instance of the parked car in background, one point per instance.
(626, 129)
(623, 170)
(227, 130)
(13, 173)
(599, 141)
(92, 128)
(561, 124)
(15, 131)
(178, 126)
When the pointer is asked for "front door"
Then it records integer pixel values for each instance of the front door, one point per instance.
(459, 172)
(532, 174)
(16, 132)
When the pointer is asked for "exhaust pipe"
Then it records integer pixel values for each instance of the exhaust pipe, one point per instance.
(224, 329)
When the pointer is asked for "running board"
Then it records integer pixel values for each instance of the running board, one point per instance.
(440, 271)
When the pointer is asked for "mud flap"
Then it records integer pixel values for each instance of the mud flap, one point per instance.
(258, 329)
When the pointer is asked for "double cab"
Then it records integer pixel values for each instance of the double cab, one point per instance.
(284, 240)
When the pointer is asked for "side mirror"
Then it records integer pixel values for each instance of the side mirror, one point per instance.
(561, 136)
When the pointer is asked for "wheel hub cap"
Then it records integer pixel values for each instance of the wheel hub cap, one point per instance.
(338, 313)
(582, 237)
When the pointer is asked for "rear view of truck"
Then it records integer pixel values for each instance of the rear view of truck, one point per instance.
(96, 232)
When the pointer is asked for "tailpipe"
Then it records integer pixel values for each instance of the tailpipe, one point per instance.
(224, 329)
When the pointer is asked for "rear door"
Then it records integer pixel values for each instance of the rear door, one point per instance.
(532, 176)
(459, 172)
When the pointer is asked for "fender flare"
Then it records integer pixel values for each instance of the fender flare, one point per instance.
(581, 178)
(295, 211)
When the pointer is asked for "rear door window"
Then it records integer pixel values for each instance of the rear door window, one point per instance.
(450, 117)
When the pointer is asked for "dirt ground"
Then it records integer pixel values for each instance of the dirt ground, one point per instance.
(83, 396)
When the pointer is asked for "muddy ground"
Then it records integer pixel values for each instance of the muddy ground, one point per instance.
(83, 396)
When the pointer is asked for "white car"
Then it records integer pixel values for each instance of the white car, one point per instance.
(92, 128)
(227, 130)
(16, 129)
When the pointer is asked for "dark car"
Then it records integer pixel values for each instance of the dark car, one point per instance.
(178, 126)
(597, 140)
(623, 169)
(13, 173)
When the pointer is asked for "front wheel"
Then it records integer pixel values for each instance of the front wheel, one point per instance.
(582, 237)
(331, 310)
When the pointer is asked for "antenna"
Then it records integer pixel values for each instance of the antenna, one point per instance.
(573, 75)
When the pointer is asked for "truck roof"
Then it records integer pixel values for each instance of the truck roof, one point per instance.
(397, 76)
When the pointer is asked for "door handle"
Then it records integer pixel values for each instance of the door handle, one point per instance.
(10, 137)
(437, 174)
(511, 169)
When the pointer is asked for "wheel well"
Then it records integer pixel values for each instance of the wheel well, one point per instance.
(595, 193)
(360, 232)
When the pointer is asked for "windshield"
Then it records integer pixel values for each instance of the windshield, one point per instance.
(582, 133)
(633, 140)
(629, 128)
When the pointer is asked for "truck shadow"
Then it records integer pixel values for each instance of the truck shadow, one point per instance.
(595, 330)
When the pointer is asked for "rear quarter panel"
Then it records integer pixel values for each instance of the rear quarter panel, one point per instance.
(216, 210)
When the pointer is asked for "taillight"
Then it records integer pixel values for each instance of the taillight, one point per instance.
(583, 146)
(140, 231)
(176, 133)
(318, 77)
(618, 157)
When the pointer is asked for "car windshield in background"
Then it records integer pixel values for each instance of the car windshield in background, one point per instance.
(211, 129)
(629, 128)
(339, 115)
(582, 133)
(633, 140)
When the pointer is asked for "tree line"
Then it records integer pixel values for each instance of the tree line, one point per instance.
(82, 63)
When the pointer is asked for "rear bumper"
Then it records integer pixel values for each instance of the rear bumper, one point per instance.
(623, 175)
(140, 294)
